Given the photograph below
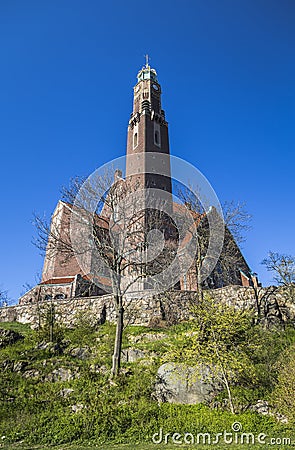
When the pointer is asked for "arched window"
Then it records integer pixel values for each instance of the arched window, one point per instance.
(135, 140)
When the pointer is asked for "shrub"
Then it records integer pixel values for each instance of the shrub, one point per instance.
(284, 393)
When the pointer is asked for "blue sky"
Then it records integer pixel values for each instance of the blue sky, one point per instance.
(227, 71)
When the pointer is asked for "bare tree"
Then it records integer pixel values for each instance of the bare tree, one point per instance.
(200, 233)
(271, 312)
(282, 266)
(3, 297)
(236, 219)
(226, 258)
(106, 231)
(28, 286)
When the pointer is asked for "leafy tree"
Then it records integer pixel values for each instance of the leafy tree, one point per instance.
(219, 339)
(50, 328)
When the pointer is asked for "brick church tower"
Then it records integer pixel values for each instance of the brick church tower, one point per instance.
(148, 157)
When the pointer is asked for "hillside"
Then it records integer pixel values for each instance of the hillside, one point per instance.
(59, 394)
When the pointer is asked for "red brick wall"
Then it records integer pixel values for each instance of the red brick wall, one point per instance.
(59, 263)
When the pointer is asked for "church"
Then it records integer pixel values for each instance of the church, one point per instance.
(65, 278)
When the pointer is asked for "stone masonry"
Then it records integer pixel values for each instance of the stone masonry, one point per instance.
(153, 310)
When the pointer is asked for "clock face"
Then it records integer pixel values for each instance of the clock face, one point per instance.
(156, 87)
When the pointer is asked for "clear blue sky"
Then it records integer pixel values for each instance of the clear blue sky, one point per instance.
(227, 70)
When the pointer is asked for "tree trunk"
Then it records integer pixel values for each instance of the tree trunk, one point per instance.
(258, 304)
(199, 288)
(199, 278)
(51, 322)
(224, 379)
(118, 340)
(230, 399)
(199, 281)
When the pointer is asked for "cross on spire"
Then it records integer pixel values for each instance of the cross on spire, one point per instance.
(147, 60)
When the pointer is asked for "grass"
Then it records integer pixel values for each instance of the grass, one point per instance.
(122, 415)
(21, 328)
(149, 447)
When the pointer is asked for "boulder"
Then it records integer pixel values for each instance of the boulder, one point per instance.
(97, 368)
(19, 366)
(79, 352)
(53, 347)
(62, 374)
(32, 373)
(7, 364)
(66, 392)
(8, 337)
(262, 407)
(177, 383)
(77, 408)
(132, 355)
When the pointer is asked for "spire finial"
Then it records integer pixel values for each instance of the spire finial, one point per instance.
(147, 59)
(146, 72)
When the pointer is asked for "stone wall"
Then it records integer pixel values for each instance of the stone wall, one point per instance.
(151, 310)
(276, 304)
(139, 310)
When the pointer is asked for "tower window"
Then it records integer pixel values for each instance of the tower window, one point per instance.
(135, 140)
(157, 137)
(157, 134)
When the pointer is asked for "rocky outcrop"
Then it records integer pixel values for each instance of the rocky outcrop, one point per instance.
(177, 383)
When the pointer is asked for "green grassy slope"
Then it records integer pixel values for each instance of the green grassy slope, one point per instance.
(59, 396)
